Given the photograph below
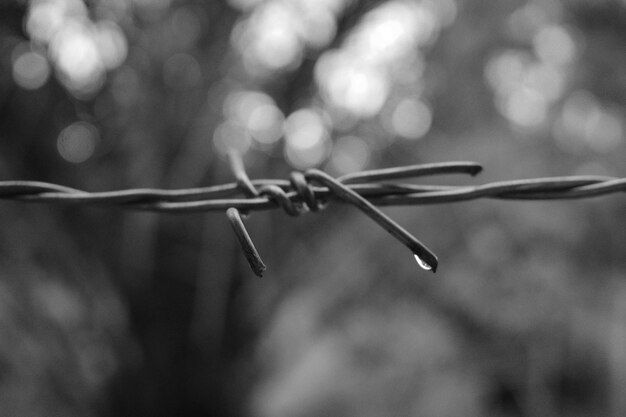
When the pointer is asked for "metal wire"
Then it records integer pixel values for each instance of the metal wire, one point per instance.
(427, 257)
(249, 250)
(298, 195)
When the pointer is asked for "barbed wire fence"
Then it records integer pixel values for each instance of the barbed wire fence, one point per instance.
(313, 190)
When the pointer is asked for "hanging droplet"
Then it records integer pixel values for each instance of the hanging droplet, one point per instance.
(422, 264)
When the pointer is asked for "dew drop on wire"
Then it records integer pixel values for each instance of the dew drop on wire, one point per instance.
(422, 264)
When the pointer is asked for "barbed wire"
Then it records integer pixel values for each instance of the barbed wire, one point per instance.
(313, 189)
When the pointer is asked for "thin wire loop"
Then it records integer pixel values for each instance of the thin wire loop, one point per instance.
(303, 188)
(276, 194)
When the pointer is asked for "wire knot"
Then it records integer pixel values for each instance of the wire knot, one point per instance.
(305, 191)
(305, 198)
(280, 197)
(299, 196)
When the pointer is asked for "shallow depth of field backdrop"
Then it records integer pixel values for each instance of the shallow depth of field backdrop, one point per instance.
(105, 312)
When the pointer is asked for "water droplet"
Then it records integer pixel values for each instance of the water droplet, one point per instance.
(422, 264)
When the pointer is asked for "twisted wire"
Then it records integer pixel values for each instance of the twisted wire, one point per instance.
(222, 197)
(312, 190)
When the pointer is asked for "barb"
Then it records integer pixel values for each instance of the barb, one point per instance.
(243, 237)
(249, 250)
(413, 171)
(428, 259)
(239, 171)
(296, 196)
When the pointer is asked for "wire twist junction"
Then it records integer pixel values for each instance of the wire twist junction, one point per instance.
(313, 189)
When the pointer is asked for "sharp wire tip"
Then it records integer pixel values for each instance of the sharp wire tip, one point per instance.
(247, 246)
(476, 170)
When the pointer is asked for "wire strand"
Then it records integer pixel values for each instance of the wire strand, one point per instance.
(364, 190)
(221, 197)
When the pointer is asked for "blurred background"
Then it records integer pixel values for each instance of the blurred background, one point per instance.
(105, 312)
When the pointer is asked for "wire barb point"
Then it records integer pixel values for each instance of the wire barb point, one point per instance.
(397, 231)
(249, 250)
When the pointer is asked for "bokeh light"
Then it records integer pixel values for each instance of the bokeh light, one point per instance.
(276, 35)
(257, 112)
(186, 26)
(584, 124)
(81, 50)
(553, 44)
(76, 54)
(268, 40)
(229, 136)
(383, 57)
(266, 124)
(525, 107)
(350, 154)
(392, 30)
(349, 84)
(526, 21)
(410, 119)
(318, 27)
(47, 17)
(30, 69)
(525, 88)
(111, 43)
(181, 71)
(528, 83)
(307, 141)
(78, 141)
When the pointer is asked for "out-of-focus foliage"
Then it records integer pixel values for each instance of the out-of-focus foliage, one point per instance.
(111, 313)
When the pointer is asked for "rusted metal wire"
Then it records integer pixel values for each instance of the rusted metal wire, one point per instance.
(313, 190)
